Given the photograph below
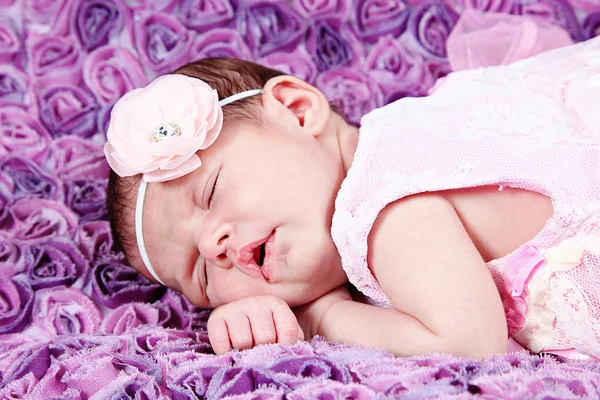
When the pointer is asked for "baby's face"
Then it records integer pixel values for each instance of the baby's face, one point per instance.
(254, 219)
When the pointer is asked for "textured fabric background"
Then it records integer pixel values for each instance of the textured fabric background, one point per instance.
(75, 321)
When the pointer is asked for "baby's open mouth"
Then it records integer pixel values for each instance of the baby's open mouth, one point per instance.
(259, 255)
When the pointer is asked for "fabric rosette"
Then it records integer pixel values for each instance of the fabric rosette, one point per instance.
(498, 6)
(53, 14)
(110, 72)
(115, 283)
(372, 19)
(68, 110)
(331, 43)
(322, 8)
(17, 299)
(10, 45)
(175, 311)
(94, 239)
(14, 87)
(222, 42)
(270, 26)
(55, 262)
(22, 135)
(6, 221)
(297, 63)
(205, 16)
(96, 22)
(54, 59)
(397, 67)
(39, 218)
(152, 5)
(87, 198)
(63, 311)
(350, 90)
(126, 318)
(430, 24)
(591, 26)
(34, 359)
(77, 158)
(11, 256)
(151, 134)
(587, 5)
(27, 179)
(557, 12)
(162, 42)
(191, 379)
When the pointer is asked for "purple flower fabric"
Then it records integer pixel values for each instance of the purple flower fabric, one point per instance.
(50, 14)
(87, 198)
(65, 311)
(27, 179)
(501, 6)
(68, 110)
(16, 299)
(22, 135)
(322, 8)
(557, 12)
(350, 90)
(270, 26)
(11, 257)
(76, 158)
(14, 87)
(10, 45)
(331, 44)
(374, 18)
(54, 60)
(591, 26)
(129, 316)
(223, 42)
(162, 42)
(431, 24)
(297, 63)
(205, 15)
(110, 72)
(37, 219)
(77, 322)
(397, 67)
(54, 262)
(94, 239)
(115, 283)
(95, 22)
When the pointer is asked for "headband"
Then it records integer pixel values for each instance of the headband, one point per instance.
(151, 134)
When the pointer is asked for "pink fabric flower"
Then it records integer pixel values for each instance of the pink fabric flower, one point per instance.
(136, 144)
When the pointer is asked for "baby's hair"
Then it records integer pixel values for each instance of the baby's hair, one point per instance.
(228, 76)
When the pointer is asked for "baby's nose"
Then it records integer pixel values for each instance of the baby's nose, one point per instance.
(214, 246)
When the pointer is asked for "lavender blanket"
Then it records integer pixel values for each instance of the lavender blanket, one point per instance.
(75, 321)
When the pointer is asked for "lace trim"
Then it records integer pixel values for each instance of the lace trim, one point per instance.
(536, 335)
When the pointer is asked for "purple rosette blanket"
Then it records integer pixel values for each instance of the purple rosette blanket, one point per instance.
(76, 322)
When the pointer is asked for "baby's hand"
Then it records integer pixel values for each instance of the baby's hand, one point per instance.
(252, 321)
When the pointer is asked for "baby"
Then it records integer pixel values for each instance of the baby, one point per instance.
(464, 218)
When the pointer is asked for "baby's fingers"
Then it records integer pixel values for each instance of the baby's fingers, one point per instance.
(286, 324)
(240, 332)
(263, 327)
(218, 335)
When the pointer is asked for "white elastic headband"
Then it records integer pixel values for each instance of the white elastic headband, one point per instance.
(139, 205)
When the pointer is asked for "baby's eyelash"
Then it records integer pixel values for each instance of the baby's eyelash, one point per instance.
(214, 186)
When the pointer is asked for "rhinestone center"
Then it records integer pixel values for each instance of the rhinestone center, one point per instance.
(165, 130)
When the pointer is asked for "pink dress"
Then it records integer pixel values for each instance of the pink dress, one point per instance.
(534, 125)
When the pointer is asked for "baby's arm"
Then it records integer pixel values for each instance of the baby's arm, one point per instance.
(444, 297)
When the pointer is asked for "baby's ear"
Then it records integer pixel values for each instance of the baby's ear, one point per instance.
(288, 96)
